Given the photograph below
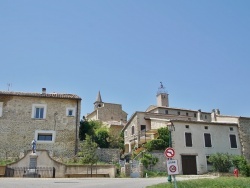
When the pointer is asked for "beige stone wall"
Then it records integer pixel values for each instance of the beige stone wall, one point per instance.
(62, 170)
(108, 155)
(111, 112)
(17, 127)
(244, 129)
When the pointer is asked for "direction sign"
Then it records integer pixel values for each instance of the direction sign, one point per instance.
(169, 152)
(172, 166)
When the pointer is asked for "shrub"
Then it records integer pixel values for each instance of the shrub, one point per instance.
(241, 164)
(148, 160)
(221, 162)
(157, 144)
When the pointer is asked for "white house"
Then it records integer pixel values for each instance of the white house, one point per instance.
(195, 136)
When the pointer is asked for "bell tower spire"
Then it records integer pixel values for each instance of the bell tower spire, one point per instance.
(162, 96)
(98, 103)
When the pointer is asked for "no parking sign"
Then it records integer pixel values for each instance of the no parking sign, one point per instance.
(172, 166)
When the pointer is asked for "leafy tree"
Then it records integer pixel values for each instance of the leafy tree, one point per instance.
(115, 139)
(88, 127)
(88, 152)
(148, 160)
(241, 164)
(101, 137)
(161, 143)
(157, 144)
(221, 162)
(163, 133)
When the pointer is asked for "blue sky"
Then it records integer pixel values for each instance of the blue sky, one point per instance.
(200, 50)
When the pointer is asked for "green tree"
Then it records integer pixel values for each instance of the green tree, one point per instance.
(88, 127)
(101, 137)
(221, 162)
(88, 152)
(114, 138)
(161, 143)
(163, 133)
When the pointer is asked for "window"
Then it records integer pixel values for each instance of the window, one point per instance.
(133, 130)
(194, 114)
(231, 128)
(1, 109)
(70, 111)
(186, 113)
(179, 113)
(206, 127)
(233, 141)
(166, 111)
(207, 138)
(188, 137)
(205, 116)
(143, 130)
(45, 136)
(187, 126)
(143, 127)
(39, 111)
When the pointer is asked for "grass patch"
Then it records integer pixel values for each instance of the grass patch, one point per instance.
(221, 182)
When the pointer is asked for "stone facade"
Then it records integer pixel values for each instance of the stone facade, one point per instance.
(108, 155)
(107, 112)
(244, 129)
(56, 131)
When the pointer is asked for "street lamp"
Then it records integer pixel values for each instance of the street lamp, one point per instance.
(170, 129)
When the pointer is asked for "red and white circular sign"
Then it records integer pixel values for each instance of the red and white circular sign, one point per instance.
(169, 152)
(172, 168)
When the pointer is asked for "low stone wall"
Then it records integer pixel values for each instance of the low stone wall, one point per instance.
(62, 170)
(108, 155)
(85, 171)
(161, 165)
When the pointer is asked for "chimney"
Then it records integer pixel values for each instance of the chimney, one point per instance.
(43, 90)
(199, 115)
(213, 116)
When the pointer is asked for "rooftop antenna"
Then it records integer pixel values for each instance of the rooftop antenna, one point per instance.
(9, 85)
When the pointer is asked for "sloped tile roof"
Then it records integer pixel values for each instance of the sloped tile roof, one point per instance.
(45, 95)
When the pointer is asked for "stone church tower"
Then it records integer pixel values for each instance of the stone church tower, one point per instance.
(162, 96)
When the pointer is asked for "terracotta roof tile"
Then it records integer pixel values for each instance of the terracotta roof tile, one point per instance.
(46, 95)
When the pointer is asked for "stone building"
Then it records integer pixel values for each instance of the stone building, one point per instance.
(195, 134)
(109, 114)
(50, 118)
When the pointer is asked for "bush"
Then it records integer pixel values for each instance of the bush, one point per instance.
(221, 162)
(157, 144)
(241, 164)
(148, 160)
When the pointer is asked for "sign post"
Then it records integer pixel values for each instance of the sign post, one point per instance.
(172, 165)
(173, 169)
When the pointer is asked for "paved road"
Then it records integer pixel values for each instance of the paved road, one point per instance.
(86, 182)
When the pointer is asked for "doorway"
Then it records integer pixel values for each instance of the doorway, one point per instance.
(189, 166)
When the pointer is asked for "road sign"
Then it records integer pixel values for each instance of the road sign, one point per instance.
(172, 166)
(169, 152)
